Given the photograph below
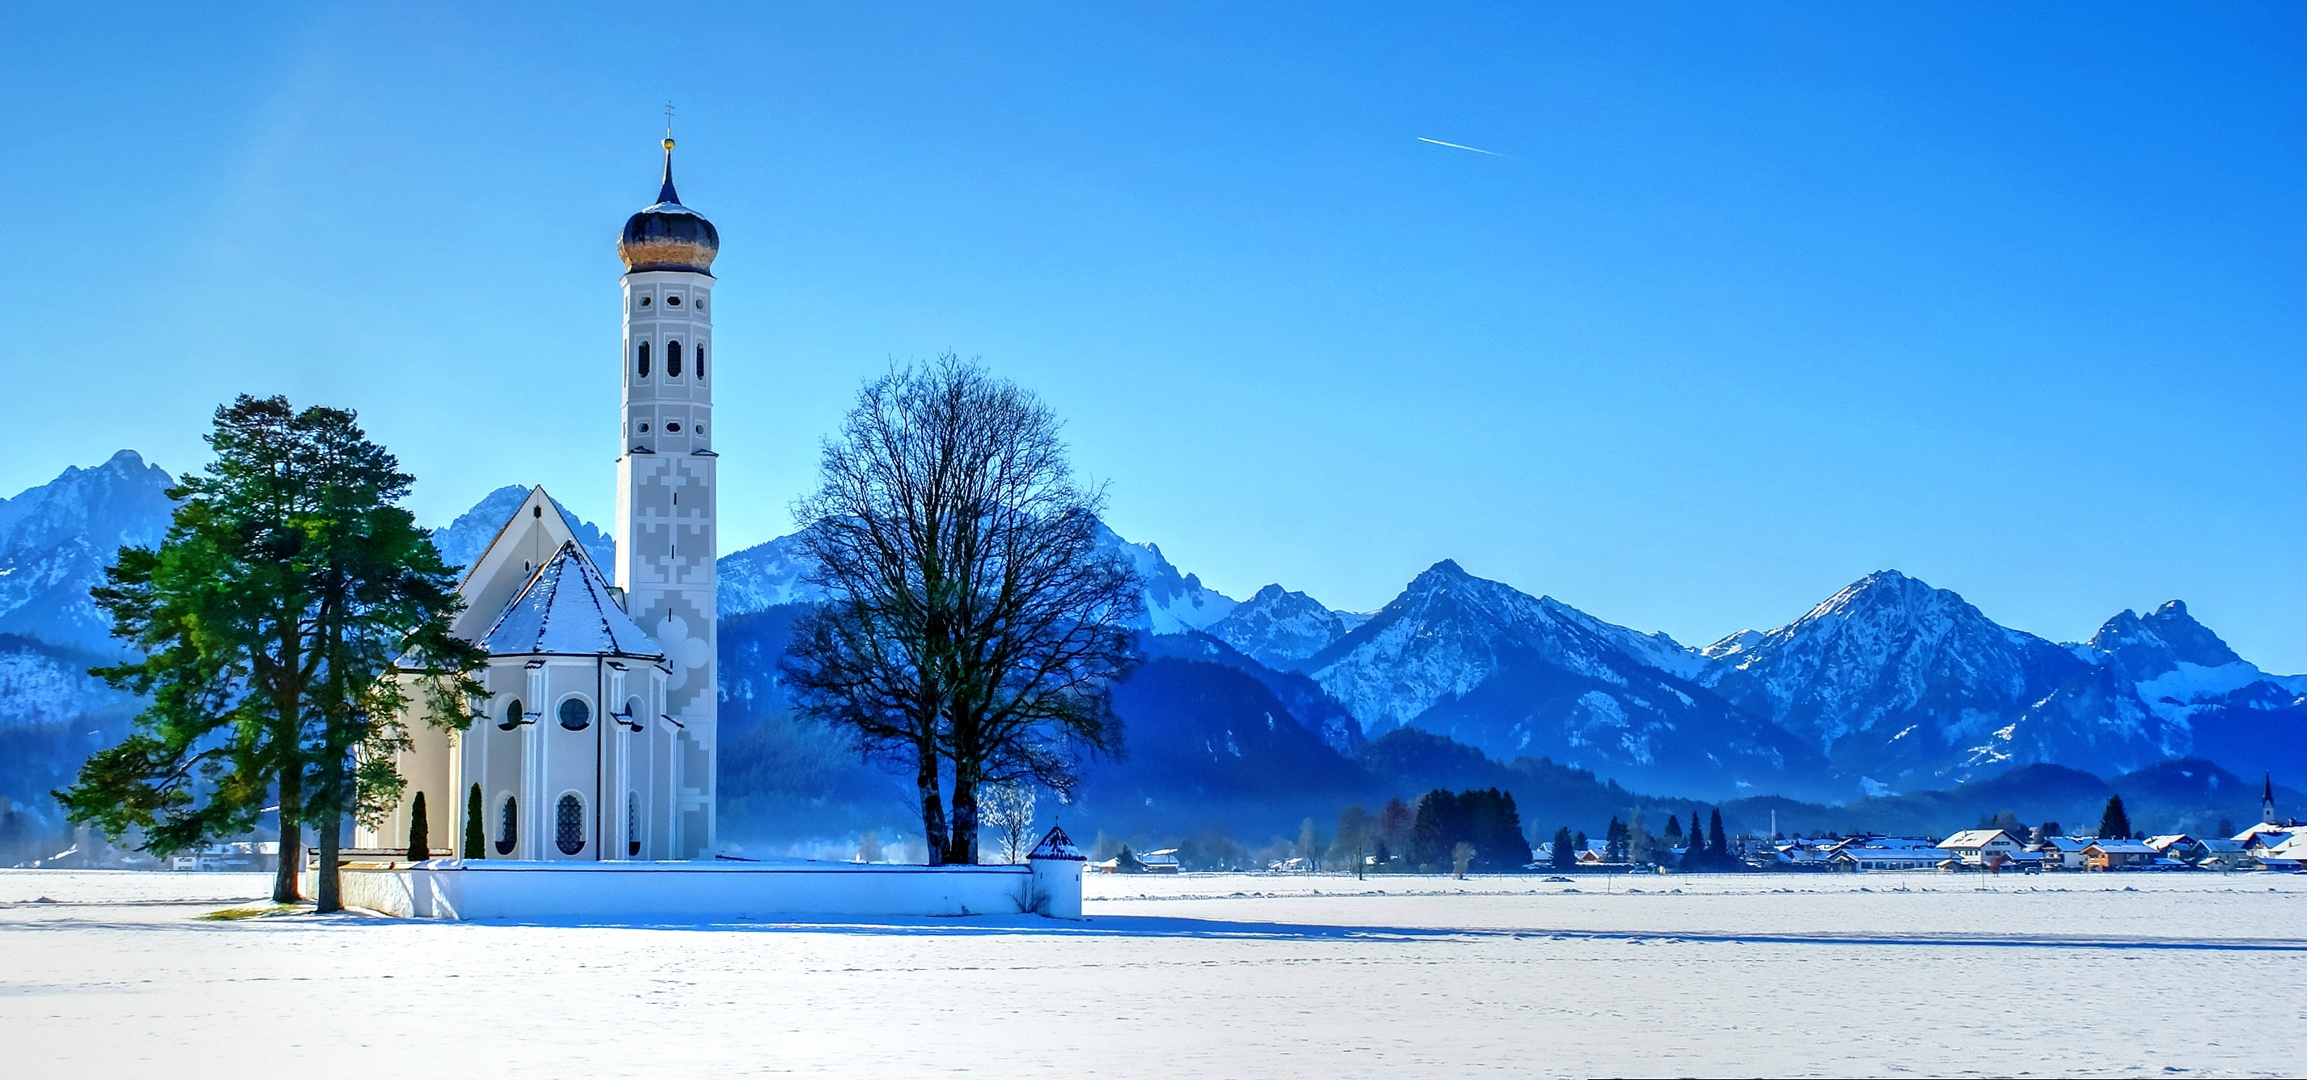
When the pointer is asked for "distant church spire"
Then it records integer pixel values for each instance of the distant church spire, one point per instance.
(2267, 800)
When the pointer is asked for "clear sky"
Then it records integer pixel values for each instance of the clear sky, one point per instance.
(1748, 300)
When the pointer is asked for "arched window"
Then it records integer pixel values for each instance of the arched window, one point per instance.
(672, 359)
(575, 714)
(634, 720)
(512, 715)
(632, 823)
(569, 825)
(643, 365)
(508, 826)
(700, 363)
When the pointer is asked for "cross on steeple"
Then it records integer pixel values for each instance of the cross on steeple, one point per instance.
(668, 119)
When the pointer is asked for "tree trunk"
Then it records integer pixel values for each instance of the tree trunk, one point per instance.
(962, 849)
(932, 810)
(284, 880)
(328, 894)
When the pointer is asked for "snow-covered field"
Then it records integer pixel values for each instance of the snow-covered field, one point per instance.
(1197, 975)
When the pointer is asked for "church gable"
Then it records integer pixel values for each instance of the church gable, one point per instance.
(529, 539)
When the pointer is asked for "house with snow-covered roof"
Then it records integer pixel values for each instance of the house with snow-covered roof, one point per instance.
(1860, 853)
(1986, 848)
(2061, 852)
(2112, 854)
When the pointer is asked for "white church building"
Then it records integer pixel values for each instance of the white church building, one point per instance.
(596, 740)
(591, 757)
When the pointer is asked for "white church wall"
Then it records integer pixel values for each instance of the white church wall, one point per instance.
(692, 892)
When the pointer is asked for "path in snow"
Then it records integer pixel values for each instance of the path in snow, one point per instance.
(1873, 974)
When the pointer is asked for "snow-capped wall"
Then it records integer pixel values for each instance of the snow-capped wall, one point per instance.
(710, 891)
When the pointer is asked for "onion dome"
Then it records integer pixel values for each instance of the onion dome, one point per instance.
(668, 235)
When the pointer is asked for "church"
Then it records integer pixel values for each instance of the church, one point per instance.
(596, 739)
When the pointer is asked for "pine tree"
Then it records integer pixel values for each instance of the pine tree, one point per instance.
(1673, 831)
(1697, 836)
(1717, 845)
(476, 846)
(420, 844)
(1614, 842)
(269, 623)
(1565, 854)
(2114, 824)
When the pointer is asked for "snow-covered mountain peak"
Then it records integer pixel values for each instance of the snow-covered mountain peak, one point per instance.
(2157, 643)
(1280, 628)
(56, 540)
(1729, 647)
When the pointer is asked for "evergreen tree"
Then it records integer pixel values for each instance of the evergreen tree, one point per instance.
(288, 590)
(420, 844)
(1697, 837)
(1439, 824)
(1564, 855)
(1673, 831)
(1614, 842)
(1717, 846)
(476, 842)
(2114, 824)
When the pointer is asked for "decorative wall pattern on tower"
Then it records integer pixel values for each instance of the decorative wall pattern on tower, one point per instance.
(666, 500)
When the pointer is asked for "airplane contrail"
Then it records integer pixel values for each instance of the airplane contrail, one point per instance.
(1459, 146)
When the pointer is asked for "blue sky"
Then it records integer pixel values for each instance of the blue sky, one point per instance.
(1749, 301)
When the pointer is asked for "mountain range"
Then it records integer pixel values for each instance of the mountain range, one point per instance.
(1255, 711)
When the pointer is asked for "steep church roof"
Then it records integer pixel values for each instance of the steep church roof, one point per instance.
(567, 609)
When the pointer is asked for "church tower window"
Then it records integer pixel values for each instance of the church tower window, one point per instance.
(700, 362)
(508, 826)
(673, 301)
(576, 715)
(512, 716)
(569, 825)
(642, 364)
(672, 359)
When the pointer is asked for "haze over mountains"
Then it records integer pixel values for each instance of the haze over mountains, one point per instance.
(1249, 708)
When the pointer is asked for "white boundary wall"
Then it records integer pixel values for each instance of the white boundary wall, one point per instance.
(644, 893)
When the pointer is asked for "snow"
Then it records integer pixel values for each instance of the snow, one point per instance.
(1194, 975)
(565, 609)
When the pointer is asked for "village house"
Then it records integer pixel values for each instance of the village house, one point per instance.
(1987, 849)
(2117, 854)
(1885, 853)
(2061, 852)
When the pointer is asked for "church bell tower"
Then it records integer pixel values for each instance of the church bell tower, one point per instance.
(666, 474)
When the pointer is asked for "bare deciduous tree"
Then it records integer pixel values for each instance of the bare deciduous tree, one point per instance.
(1008, 811)
(972, 626)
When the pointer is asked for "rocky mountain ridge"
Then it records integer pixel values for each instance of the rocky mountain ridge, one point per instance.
(1888, 686)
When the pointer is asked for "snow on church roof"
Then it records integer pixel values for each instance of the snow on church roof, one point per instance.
(566, 610)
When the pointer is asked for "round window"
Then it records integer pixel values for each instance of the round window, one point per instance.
(673, 301)
(644, 301)
(512, 715)
(673, 425)
(569, 825)
(644, 427)
(575, 714)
